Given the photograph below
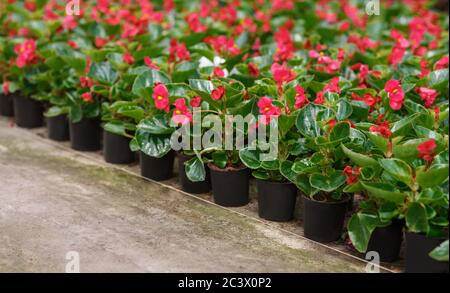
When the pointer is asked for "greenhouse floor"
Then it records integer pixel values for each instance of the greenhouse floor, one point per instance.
(54, 200)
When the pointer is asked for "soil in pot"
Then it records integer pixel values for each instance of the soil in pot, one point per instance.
(58, 128)
(417, 259)
(28, 112)
(186, 184)
(387, 241)
(230, 186)
(6, 106)
(276, 200)
(157, 169)
(323, 221)
(85, 135)
(116, 148)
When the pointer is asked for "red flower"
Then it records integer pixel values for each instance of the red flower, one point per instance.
(194, 23)
(383, 129)
(351, 174)
(87, 97)
(150, 63)
(300, 98)
(5, 87)
(320, 99)
(85, 81)
(196, 101)
(181, 114)
(128, 58)
(426, 150)
(253, 69)
(395, 94)
(100, 42)
(427, 95)
(178, 51)
(72, 44)
(218, 93)
(267, 109)
(331, 123)
(396, 55)
(218, 72)
(282, 73)
(161, 97)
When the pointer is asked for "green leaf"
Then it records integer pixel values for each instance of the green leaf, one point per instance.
(360, 228)
(359, 159)
(158, 124)
(340, 132)
(307, 121)
(103, 73)
(287, 172)
(388, 211)
(434, 176)
(219, 159)
(403, 125)
(327, 183)
(115, 127)
(438, 79)
(302, 182)
(416, 218)
(205, 86)
(195, 169)
(398, 169)
(56, 111)
(148, 79)
(344, 110)
(440, 253)
(153, 145)
(250, 158)
(380, 142)
(384, 191)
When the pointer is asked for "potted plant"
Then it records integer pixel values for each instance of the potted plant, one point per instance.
(405, 180)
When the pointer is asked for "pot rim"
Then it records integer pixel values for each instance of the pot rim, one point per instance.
(425, 236)
(287, 182)
(213, 167)
(327, 202)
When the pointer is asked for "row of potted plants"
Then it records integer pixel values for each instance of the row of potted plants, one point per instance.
(357, 105)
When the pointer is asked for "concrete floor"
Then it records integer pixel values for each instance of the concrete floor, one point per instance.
(53, 201)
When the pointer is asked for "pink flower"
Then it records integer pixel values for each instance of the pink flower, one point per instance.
(72, 44)
(300, 97)
(218, 93)
(26, 53)
(267, 109)
(150, 63)
(181, 114)
(282, 73)
(161, 96)
(178, 51)
(100, 42)
(396, 55)
(395, 94)
(87, 97)
(427, 95)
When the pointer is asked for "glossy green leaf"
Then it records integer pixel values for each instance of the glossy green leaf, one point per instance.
(327, 183)
(416, 218)
(398, 169)
(434, 176)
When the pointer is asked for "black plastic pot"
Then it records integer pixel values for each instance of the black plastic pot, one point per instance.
(6, 106)
(85, 135)
(229, 187)
(417, 260)
(186, 184)
(387, 241)
(116, 149)
(157, 169)
(276, 200)
(58, 128)
(323, 221)
(28, 112)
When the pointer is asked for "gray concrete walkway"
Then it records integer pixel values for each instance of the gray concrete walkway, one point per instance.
(53, 201)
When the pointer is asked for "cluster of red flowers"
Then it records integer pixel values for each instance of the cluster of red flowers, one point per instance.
(427, 150)
(352, 174)
(26, 53)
